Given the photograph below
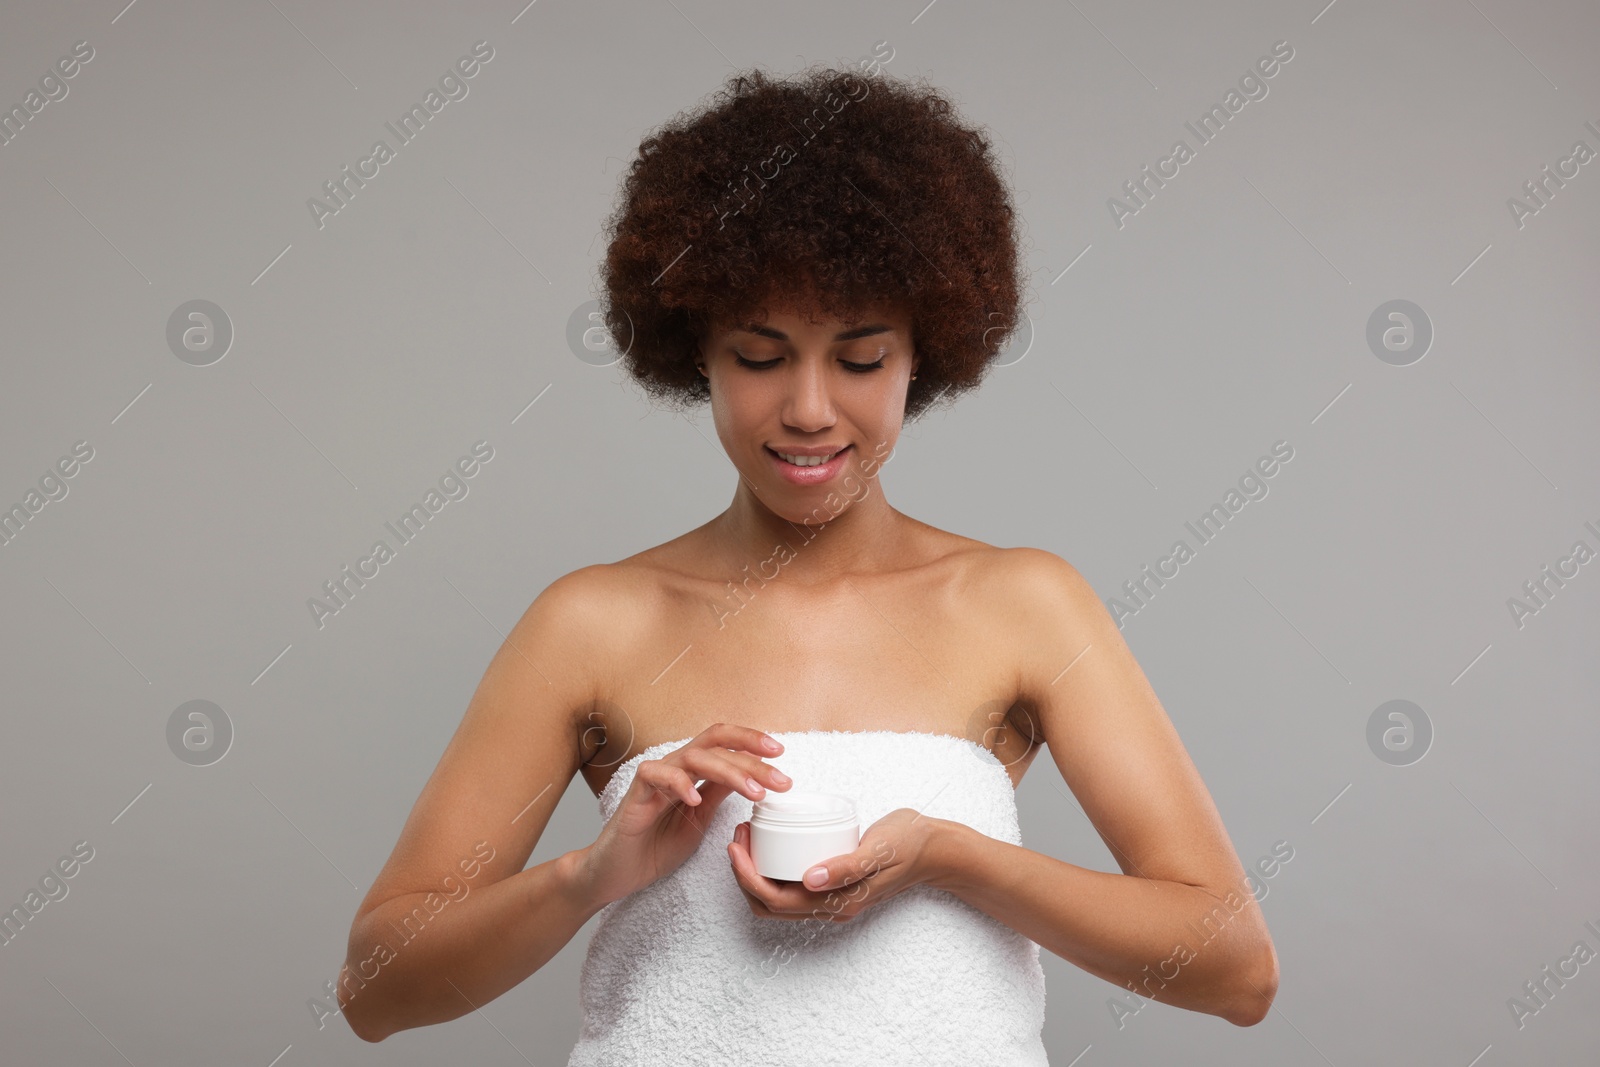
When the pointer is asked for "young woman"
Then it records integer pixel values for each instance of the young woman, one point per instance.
(820, 259)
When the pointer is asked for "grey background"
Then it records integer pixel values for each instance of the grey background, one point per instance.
(1229, 313)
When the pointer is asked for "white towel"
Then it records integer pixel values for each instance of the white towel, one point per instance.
(681, 972)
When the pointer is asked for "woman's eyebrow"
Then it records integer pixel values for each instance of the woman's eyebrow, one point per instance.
(847, 335)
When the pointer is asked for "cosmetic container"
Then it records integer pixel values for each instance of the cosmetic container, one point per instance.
(792, 832)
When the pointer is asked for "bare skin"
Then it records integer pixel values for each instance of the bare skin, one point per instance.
(849, 615)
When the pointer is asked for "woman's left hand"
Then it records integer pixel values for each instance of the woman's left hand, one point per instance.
(893, 856)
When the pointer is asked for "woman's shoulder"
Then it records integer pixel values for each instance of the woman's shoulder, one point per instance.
(617, 597)
(991, 566)
(1021, 577)
(605, 591)
(1032, 566)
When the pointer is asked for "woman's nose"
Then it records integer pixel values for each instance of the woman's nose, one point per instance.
(807, 404)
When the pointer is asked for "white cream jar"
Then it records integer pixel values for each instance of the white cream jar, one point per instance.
(792, 832)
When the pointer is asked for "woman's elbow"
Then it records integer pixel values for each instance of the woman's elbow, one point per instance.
(365, 1034)
(365, 1029)
(356, 1012)
(1259, 989)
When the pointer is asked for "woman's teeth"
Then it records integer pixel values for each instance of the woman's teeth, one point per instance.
(807, 461)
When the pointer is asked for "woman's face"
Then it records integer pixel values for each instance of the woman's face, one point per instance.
(788, 385)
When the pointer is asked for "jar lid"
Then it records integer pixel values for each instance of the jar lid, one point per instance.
(804, 809)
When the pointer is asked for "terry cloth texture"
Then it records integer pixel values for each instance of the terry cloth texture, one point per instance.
(682, 972)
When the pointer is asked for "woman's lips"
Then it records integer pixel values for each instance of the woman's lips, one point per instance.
(822, 472)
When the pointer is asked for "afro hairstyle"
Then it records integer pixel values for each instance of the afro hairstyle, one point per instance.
(836, 189)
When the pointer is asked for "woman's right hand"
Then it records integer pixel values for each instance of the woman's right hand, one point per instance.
(663, 817)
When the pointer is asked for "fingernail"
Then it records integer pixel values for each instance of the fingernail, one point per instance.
(755, 786)
(779, 777)
(817, 876)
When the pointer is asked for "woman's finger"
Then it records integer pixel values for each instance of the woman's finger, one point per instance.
(668, 779)
(754, 885)
(739, 766)
(769, 899)
(746, 775)
(744, 738)
(795, 902)
(712, 794)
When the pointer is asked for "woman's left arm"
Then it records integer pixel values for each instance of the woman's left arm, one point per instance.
(1180, 924)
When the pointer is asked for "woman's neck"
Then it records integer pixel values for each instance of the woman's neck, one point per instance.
(841, 536)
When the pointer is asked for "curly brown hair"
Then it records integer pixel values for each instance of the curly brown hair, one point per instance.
(839, 190)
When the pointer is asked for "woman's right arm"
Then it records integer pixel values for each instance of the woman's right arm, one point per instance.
(454, 919)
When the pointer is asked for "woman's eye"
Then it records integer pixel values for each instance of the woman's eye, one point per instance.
(767, 364)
